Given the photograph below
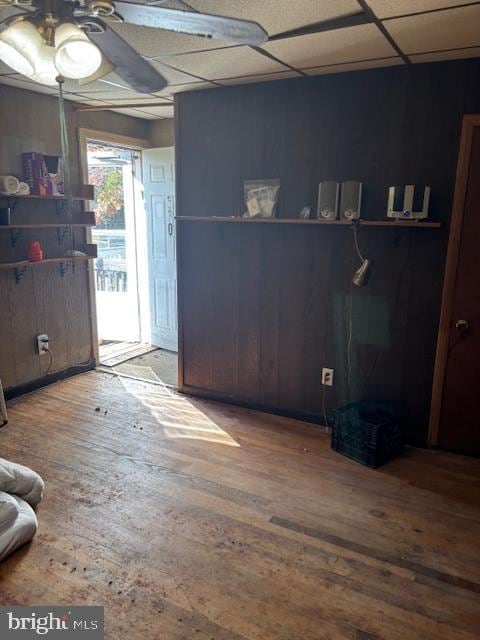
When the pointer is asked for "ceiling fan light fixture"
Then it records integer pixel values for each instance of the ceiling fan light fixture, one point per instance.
(76, 55)
(45, 69)
(19, 45)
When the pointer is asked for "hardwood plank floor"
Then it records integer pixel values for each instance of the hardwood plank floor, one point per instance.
(193, 519)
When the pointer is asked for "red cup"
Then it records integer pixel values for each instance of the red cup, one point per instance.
(35, 253)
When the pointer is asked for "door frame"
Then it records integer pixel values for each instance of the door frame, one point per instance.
(470, 122)
(83, 135)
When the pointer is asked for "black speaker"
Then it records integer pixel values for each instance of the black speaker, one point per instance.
(351, 200)
(328, 200)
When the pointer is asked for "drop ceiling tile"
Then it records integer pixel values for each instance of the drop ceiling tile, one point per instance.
(449, 29)
(158, 112)
(4, 69)
(354, 66)
(142, 98)
(388, 8)
(266, 77)
(23, 83)
(172, 72)
(171, 90)
(226, 63)
(135, 113)
(88, 100)
(111, 96)
(277, 16)
(110, 82)
(455, 54)
(332, 47)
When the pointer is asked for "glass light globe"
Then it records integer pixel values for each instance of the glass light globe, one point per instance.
(19, 44)
(45, 70)
(76, 57)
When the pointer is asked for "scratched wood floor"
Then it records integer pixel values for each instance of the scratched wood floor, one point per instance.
(192, 519)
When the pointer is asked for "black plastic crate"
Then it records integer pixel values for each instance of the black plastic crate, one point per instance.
(368, 431)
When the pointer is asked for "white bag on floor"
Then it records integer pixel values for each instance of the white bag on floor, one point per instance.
(20, 490)
(22, 481)
(18, 523)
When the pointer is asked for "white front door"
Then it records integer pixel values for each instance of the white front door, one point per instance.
(159, 185)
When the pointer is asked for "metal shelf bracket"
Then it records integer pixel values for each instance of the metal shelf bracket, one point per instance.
(19, 273)
(15, 235)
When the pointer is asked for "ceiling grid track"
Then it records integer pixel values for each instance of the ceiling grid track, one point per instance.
(379, 24)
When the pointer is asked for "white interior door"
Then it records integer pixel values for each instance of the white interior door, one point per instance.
(159, 185)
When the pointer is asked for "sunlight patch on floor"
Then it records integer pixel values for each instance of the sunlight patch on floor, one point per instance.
(177, 416)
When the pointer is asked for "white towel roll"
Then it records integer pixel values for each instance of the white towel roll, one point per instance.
(9, 185)
(23, 189)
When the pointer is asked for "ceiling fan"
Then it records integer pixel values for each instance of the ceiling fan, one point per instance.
(48, 39)
(45, 39)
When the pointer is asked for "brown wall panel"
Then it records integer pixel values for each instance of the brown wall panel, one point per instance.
(44, 301)
(266, 307)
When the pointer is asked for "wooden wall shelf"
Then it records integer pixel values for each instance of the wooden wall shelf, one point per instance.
(48, 225)
(363, 223)
(20, 266)
(85, 220)
(26, 263)
(33, 196)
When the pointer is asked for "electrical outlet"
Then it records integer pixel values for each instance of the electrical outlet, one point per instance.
(327, 377)
(42, 342)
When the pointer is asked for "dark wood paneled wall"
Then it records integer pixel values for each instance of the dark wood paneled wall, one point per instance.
(44, 301)
(264, 308)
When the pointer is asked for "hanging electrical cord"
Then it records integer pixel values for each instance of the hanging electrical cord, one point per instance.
(66, 167)
(355, 239)
(50, 355)
(325, 419)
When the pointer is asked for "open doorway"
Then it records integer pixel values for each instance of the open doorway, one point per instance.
(134, 276)
(113, 171)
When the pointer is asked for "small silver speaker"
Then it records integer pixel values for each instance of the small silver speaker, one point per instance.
(328, 200)
(408, 201)
(351, 200)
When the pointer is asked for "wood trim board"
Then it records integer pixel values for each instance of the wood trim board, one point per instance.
(454, 241)
(83, 134)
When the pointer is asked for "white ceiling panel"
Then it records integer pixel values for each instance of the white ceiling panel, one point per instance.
(4, 69)
(135, 113)
(85, 99)
(173, 72)
(449, 29)
(109, 83)
(171, 90)
(472, 52)
(226, 63)
(343, 45)
(158, 112)
(277, 16)
(388, 8)
(137, 98)
(267, 77)
(354, 66)
(23, 83)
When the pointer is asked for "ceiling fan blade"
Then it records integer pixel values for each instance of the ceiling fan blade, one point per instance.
(197, 24)
(130, 66)
(351, 20)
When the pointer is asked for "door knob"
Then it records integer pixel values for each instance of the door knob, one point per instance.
(462, 325)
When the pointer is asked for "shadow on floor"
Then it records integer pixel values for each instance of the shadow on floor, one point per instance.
(158, 366)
